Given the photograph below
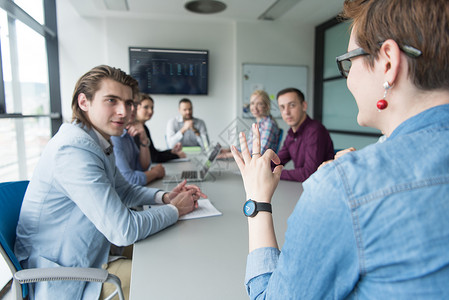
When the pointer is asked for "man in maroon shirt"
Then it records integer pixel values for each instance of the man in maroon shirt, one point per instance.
(307, 143)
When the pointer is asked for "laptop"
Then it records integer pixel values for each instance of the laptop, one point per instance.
(197, 175)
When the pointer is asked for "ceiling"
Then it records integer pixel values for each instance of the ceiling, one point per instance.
(312, 12)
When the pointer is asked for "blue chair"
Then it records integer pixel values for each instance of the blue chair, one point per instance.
(281, 133)
(11, 197)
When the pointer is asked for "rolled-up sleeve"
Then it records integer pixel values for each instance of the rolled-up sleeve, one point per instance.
(319, 258)
(262, 261)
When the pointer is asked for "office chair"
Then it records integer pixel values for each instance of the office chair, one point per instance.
(11, 197)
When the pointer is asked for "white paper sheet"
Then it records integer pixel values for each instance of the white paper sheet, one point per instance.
(205, 209)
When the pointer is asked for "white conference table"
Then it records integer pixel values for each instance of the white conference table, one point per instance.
(205, 258)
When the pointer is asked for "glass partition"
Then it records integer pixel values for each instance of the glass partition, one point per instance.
(334, 104)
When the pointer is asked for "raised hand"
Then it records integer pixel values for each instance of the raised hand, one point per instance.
(259, 180)
(137, 128)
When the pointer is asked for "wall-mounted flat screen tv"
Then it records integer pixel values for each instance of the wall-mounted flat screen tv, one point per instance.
(170, 71)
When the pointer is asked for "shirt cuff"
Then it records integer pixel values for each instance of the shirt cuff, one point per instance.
(174, 207)
(158, 200)
(158, 197)
(261, 261)
(179, 135)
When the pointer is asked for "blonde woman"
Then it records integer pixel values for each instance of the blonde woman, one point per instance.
(260, 107)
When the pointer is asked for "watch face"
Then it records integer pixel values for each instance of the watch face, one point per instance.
(249, 208)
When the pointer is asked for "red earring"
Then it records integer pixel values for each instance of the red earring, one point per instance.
(382, 103)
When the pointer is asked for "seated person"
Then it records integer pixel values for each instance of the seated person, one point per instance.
(185, 128)
(372, 224)
(134, 160)
(308, 142)
(77, 202)
(260, 107)
(145, 105)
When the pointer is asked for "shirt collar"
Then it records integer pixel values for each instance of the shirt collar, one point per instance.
(430, 118)
(301, 127)
(104, 143)
(125, 131)
(263, 119)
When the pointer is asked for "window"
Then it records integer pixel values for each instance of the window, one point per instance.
(27, 111)
(334, 105)
(30, 105)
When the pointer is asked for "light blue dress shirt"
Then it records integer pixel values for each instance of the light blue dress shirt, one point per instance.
(127, 159)
(189, 138)
(76, 205)
(373, 224)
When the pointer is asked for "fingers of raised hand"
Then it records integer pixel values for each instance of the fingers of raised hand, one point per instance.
(244, 146)
(256, 139)
(238, 158)
(272, 156)
(277, 171)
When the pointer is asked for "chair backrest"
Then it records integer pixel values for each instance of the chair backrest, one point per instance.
(281, 133)
(11, 197)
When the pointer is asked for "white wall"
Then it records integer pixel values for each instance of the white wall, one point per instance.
(275, 43)
(87, 42)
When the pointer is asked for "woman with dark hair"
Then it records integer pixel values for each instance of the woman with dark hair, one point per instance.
(145, 110)
(374, 222)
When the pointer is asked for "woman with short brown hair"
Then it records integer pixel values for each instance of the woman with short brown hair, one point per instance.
(372, 224)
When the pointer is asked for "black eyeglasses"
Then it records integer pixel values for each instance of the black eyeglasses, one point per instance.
(344, 61)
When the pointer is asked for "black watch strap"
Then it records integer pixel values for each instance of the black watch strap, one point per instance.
(263, 206)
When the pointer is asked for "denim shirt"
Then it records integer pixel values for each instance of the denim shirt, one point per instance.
(76, 205)
(373, 224)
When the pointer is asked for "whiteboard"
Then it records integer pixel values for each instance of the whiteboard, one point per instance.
(272, 79)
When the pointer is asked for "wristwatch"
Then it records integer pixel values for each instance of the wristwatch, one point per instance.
(251, 207)
(145, 144)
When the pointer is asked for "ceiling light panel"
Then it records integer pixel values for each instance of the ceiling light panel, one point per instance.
(278, 9)
(116, 4)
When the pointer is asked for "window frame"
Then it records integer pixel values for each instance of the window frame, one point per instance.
(319, 79)
(49, 32)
